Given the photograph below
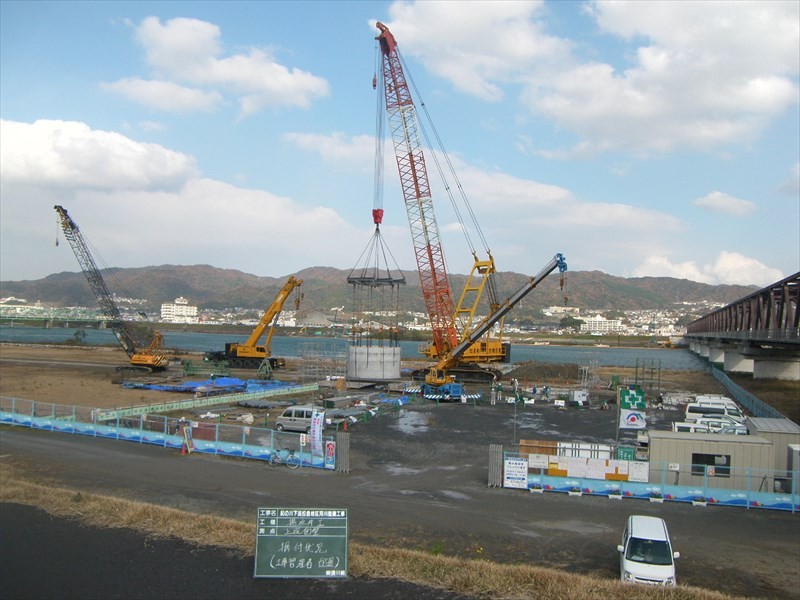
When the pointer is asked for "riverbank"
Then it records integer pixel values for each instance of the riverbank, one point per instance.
(87, 376)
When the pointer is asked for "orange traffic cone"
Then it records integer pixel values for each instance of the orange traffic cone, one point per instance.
(183, 449)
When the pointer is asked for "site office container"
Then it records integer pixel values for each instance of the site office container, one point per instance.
(783, 433)
(716, 459)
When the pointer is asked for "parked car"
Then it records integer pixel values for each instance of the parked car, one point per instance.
(694, 411)
(690, 427)
(718, 422)
(295, 418)
(645, 554)
(735, 430)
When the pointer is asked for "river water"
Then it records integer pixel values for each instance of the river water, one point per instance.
(294, 347)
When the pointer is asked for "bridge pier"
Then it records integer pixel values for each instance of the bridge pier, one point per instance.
(788, 370)
(774, 363)
(761, 363)
(736, 363)
(699, 347)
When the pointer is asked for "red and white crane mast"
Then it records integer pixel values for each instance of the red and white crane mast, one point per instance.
(402, 119)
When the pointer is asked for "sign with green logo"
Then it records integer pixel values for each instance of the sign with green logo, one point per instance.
(632, 398)
(626, 453)
(301, 542)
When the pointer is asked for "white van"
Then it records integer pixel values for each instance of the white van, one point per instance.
(717, 423)
(295, 418)
(718, 401)
(645, 554)
(694, 411)
(706, 399)
(690, 427)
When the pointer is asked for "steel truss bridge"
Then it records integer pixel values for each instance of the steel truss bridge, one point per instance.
(769, 315)
(763, 327)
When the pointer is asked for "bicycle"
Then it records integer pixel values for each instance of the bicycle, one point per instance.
(284, 456)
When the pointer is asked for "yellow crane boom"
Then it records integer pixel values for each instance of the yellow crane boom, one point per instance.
(250, 354)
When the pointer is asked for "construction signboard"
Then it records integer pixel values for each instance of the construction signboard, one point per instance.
(301, 542)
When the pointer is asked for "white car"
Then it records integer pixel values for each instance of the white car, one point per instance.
(645, 554)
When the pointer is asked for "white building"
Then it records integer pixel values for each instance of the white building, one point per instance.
(600, 324)
(562, 310)
(179, 311)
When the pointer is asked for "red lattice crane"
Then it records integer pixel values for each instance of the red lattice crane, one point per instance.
(457, 338)
(402, 119)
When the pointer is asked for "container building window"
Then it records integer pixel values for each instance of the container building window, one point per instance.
(716, 465)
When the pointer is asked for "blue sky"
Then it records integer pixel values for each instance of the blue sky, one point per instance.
(638, 139)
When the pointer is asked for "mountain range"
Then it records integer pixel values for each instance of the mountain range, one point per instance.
(326, 287)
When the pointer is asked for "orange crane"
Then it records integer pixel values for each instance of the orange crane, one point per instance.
(456, 340)
(151, 358)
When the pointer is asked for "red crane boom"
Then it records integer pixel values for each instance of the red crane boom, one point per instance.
(402, 119)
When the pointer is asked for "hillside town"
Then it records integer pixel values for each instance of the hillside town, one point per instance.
(556, 320)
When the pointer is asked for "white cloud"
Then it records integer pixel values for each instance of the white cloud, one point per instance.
(358, 151)
(718, 202)
(690, 75)
(164, 95)
(142, 204)
(185, 52)
(477, 46)
(68, 154)
(728, 268)
(151, 126)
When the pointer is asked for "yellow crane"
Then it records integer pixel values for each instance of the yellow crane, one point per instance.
(250, 354)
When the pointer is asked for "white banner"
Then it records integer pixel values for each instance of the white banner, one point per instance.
(317, 423)
(632, 419)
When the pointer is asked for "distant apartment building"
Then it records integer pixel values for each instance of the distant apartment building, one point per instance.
(599, 324)
(179, 311)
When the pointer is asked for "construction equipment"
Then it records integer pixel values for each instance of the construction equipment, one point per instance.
(152, 358)
(439, 380)
(250, 355)
(455, 343)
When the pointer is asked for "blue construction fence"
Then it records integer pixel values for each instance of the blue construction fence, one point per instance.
(251, 442)
(517, 475)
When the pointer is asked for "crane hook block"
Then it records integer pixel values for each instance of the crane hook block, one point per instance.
(377, 216)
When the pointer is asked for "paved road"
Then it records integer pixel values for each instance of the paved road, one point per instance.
(419, 481)
(87, 562)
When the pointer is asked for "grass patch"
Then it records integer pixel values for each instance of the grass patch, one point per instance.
(472, 577)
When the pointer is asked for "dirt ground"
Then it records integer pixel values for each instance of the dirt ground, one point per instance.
(418, 480)
(50, 374)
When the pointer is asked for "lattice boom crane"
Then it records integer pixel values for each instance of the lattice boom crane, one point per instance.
(402, 119)
(149, 359)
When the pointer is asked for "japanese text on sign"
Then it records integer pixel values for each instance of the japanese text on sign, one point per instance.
(301, 542)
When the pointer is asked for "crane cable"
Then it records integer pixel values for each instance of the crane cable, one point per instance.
(103, 266)
(445, 181)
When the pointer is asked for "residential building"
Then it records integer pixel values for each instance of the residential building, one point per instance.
(179, 311)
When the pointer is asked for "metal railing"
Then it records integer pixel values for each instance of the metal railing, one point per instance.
(756, 407)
